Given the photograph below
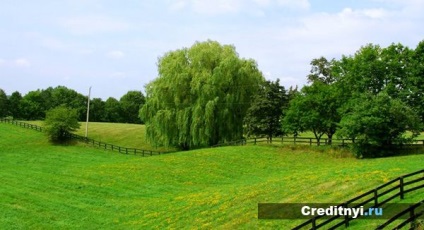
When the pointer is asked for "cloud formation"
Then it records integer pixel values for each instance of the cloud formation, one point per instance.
(82, 41)
(22, 62)
(90, 25)
(115, 54)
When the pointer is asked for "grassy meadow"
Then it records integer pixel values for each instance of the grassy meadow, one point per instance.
(125, 135)
(47, 186)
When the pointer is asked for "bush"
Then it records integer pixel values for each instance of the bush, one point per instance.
(59, 122)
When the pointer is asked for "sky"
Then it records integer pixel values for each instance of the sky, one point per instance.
(113, 46)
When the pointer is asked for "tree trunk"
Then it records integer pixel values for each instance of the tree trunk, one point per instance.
(330, 138)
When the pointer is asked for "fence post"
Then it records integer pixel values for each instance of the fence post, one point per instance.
(255, 141)
(401, 188)
(346, 217)
(412, 217)
(142, 152)
(294, 140)
(375, 197)
(310, 141)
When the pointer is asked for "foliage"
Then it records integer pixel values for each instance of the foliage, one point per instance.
(315, 108)
(112, 110)
(321, 70)
(377, 122)
(34, 104)
(415, 95)
(97, 110)
(15, 105)
(59, 122)
(200, 97)
(4, 104)
(130, 104)
(264, 115)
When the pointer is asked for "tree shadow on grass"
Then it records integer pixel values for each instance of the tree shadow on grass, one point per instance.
(66, 142)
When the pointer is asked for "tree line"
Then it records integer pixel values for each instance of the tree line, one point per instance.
(35, 104)
(206, 94)
(374, 97)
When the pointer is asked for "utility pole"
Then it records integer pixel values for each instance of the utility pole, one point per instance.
(88, 112)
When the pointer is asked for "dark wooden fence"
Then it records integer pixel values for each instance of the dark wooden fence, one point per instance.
(99, 144)
(22, 124)
(306, 141)
(378, 197)
(301, 140)
(413, 213)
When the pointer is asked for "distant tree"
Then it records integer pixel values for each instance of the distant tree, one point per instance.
(315, 108)
(321, 70)
(415, 95)
(59, 122)
(32, 106)
(15, 103)
(377, 122)
(62, 95)
(200, 97)
(4, 104)
(97, 110)
(264, 115)
(112, 110)
(131, 104)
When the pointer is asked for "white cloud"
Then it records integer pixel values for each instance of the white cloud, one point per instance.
(375, 13)
(118, 75)
(216, 7)
(22, 62)
(235, 6)
(294, 4)
(115, 54)
(178, 5)
(87, 25)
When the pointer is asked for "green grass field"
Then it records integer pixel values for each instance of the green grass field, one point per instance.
(48, 186)
(125, 135)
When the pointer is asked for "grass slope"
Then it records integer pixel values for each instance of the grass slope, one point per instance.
(125, 135)
(71, 187)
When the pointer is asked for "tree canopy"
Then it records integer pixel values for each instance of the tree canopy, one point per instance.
(34, 104)
(4, 104)
(200, 97)
(379, 122)
(265, 113)
(130, 104)
(59, 122)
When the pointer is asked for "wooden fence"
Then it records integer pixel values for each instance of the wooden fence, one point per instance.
(378, 197)
(304, 141)
(414, 214)
(99, 144)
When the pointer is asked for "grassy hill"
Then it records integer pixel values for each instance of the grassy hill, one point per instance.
(48, 186)
(125, 135)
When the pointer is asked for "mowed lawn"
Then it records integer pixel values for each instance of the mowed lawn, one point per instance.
(48, 186)
(125, 135)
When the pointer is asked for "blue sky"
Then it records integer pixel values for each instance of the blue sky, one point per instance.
(113, 46)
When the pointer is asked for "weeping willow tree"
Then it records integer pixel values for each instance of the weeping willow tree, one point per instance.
(200, 97)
